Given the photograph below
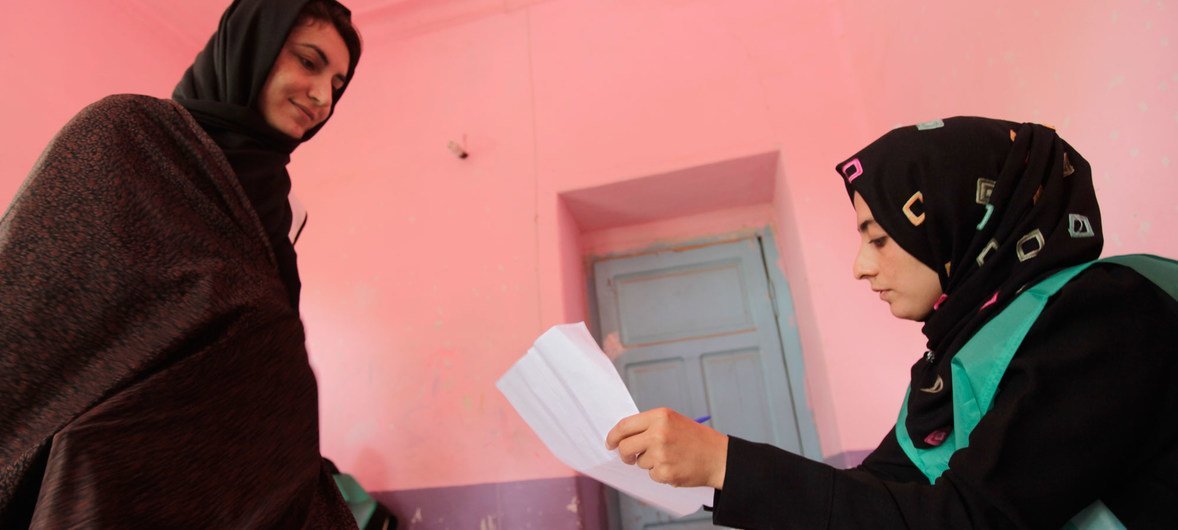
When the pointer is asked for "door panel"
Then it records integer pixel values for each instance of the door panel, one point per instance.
(658, 383)
(738, 402)
(698, 334)
(681, 303)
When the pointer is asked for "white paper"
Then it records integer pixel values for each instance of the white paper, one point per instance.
(571, 395)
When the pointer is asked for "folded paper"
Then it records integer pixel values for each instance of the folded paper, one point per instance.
(570, 394)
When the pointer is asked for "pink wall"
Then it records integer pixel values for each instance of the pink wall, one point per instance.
(59, 56)
(1104, 73)
(426, 276)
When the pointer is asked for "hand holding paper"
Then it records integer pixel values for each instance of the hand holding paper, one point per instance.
(569, 393)
(674, 448)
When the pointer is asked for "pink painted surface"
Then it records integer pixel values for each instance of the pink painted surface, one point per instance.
(741, 182)
(59, 56)
(426, 276)
(717, 225)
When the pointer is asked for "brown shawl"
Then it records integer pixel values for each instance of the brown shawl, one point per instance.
(153, 372)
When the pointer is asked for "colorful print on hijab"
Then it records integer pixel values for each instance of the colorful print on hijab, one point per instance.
(221, 90)
(991, 206)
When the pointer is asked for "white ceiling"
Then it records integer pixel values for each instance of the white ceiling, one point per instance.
(193, 21)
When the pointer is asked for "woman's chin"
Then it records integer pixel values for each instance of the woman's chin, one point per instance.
(294, 132)
(906, 313)
(290, 129)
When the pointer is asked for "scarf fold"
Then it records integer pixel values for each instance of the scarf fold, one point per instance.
(990, 205)
(221, 90)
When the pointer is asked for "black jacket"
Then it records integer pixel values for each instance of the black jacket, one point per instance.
(1087, 409)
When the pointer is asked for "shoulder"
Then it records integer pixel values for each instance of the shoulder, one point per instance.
(120, 105)
(1107, 285)
(1108, 311)
(122, 109)
(128, 102)
(112, 120)
(126, 137)
(126, 124)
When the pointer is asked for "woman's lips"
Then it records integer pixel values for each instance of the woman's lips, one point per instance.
(306, 113)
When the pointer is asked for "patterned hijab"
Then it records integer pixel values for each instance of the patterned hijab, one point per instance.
(221, 90)
(992, 206)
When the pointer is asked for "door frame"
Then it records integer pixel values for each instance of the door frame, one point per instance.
(784, 315)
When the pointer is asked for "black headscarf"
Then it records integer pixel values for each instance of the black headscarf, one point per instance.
(221, 90)
(991, 206)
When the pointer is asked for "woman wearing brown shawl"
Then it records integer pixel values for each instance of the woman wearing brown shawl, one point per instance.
(966, 222)
(152, 363)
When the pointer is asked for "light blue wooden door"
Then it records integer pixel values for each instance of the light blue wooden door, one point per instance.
(699, 335)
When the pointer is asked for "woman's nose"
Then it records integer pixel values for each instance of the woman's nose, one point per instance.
(864, 265)
(320, 93)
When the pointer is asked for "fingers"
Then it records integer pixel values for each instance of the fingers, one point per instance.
(672, 448)
(661, 474)
(632, 448)
(659, 465)
(631, 426)
(646, 464)
(658, 471)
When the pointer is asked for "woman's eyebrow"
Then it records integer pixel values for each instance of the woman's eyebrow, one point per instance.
(322, 56)
(865, 225)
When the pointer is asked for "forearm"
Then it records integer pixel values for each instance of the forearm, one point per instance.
(767, 487)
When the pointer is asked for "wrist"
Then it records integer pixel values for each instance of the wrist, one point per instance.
(720, 467)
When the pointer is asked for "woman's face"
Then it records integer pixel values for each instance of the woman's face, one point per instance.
(908, 285)
(311, 65)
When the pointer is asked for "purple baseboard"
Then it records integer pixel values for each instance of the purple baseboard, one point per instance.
(546, 504)
(568, 503)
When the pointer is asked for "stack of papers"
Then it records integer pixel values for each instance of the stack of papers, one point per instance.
(570, 394)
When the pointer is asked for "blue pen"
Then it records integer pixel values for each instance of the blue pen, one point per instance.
(702, 419)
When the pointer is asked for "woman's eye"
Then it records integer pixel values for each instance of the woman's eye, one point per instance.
(879, 241)
(307, 63)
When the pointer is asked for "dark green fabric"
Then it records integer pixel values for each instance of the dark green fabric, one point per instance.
(361, 503)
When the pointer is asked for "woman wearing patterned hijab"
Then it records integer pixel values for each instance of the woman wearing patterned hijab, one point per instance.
(1045, 396)
(152, 359)
(1010, 208)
